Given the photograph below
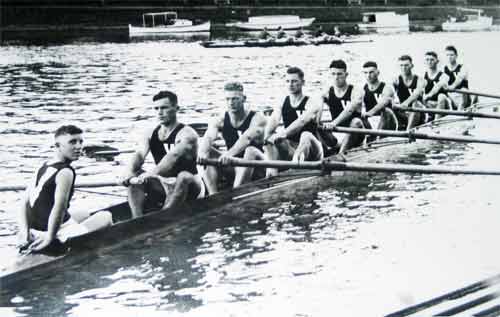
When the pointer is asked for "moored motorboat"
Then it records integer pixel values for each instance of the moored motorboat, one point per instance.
(469, 22)
(384, 22)
(166, 23)
(273, 22)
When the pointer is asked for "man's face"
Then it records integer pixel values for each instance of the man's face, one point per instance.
(371, 74)
(405, 66)
(165, 110)
(452, 57)
(338, 76)
(431, 62)
(70, 146)
(235, 100)
(294, 83)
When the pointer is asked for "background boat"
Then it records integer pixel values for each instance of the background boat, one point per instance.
(166, 23)
(384, 22)
(470, 22)
(273, 22)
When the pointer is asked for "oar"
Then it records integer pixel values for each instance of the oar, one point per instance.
(474, 93)
(343, 166)
(469, 114)
(415, 135)
(77, 185)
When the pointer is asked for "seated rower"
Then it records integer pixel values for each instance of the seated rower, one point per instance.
(298, 141)
(409, 89)
(435, 96)
(242, 130)
(281, 33)
(458, 79)
(299, 33)
(44, 218)
(377, 100)
(264, 34)
(344, 102)
(174, 147)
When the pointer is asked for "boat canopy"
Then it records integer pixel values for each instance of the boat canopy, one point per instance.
(478, 11)
(169, 17)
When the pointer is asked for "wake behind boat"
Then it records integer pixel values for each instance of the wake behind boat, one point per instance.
(158, 23)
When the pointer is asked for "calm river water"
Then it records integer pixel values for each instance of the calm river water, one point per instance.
(282, 257)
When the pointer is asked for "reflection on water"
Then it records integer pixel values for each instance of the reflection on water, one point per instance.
(245, 256)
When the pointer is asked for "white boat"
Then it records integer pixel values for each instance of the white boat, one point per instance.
(384, 22)
(273, 22)
(469, 22)
(165, 23)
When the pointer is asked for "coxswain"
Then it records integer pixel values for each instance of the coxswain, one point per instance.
(44, 220)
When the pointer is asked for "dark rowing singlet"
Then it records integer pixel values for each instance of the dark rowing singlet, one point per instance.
(337, 105)
(453, 76)
(158, 151)
(430, 84)
(371, 97)
(291, 114)
(231, 134)
(41, 199)
(403, 91)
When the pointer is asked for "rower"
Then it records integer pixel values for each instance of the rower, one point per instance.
(409, 89)
(344, 102)
(264, 34)
(436, 84)
(458, 79)
(298, 140)
(242, 130)
(45, 220)
(174, 147)
(281, 33)
(377, 99)
(299, 33)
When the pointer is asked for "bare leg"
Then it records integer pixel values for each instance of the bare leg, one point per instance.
(184, 183)
(244, 174)
(99, 220)
(136, 198)
(352, 139)
(443, 104)
(211, 175)
(271, 153)
(414, 117)
(308, 145)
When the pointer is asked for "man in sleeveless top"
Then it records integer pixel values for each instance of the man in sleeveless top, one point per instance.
(344, 102)
(377, 99)
(174, 147)
(409, 89)
(242, 130)
(458, 79)
(436, 83)
(298, 140)
(44, 218)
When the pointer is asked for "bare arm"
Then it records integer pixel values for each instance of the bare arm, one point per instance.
(273, 121)
(385, 99)
(210, 135)
(139, 156)
(461, 76)
(255, 132)
(419, 90)
(23, 219)
(354, 106)
(186, 147)
(441, 84)
(311, 114)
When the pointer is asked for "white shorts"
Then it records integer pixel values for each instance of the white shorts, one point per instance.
(168, 184)
(67, 230)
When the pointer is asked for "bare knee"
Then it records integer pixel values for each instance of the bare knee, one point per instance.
(105, 218)
(251, 153)
(184, 178)
(356, 123)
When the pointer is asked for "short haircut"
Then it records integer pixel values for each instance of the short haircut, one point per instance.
(405, 58)
(166, 94)
(451, 48)
(432, 53)
(338, 63)
(370, 64)
(67, 129)
(295, 70)
(233, 86)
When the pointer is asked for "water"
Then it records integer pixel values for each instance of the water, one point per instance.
(306, 253)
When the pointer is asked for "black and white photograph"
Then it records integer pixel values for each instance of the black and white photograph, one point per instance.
(249, 158)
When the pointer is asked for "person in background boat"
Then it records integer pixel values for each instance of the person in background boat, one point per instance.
(299, 33)
(377, 99)
(44, 219)
(436, 83)
(298, 140)
(458, 75)
(319, 32)
(264, 34)
(281, 33)
(409, 89)
(242, 130)
(336, 31)
(174, 147)
(344, 101)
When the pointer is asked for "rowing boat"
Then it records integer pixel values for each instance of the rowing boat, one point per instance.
(126, 229)
(279, 42)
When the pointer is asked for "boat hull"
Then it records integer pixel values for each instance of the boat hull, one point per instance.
(386, 29)
(484, 24)
(135, 31)
(274, 43)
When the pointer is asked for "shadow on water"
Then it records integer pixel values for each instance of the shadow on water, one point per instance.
(233, 245)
